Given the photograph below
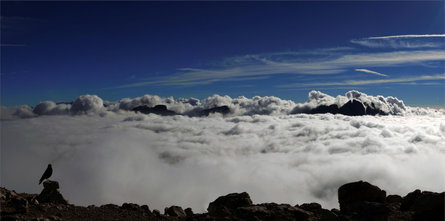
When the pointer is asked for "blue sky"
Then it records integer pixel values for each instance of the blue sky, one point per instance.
(60, 50)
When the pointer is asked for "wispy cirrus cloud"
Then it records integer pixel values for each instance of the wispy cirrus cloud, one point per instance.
(253, 66)
(402, 41)
(410, 36)
(368, 82)
(396, 43)
(371, 72)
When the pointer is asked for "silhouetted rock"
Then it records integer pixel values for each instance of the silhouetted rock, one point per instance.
(145, 208)
(271, 211)
(318, 213)
(352, 195)
(393, 199)
(174, 211)
(323, 109)
(158, 109)
(372, 211)
(156, 212)
(426, 205)
(358, 201)
(206, 112)
(224, 205)
(130, 206)
(19, 204)
(189, 212)
(372, 110)
(51, 194)
(409, 199)
(353, 108)
(110, 206)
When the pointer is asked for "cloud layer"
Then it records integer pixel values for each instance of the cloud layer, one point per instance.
(268, 105)
(109, 155)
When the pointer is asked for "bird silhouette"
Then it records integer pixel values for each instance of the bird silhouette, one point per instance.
(48, 172)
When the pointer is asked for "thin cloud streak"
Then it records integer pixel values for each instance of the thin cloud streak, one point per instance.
(410, 36)
(371, 72)
(367, 82)
(264, 66)
(180, 82)
(395, 43)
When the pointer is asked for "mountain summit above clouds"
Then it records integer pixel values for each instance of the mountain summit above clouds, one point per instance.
(353, 103)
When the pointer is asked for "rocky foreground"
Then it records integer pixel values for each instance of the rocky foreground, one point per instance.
(358, 201)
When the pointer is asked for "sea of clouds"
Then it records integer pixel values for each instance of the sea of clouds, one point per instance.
(103, 153)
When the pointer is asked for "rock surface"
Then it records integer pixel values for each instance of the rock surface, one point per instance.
(158, 109)
(352, 195)
(225, 205)
(51, 194)
(351, 108)
(358, 201)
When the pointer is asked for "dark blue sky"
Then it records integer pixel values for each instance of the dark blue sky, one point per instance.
(60, 50)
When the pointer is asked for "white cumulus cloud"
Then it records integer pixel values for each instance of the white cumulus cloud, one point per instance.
(122, 156)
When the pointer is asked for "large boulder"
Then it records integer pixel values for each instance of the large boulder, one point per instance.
(175, 211)
(319, 213)
(130, 206)
(426, 205)
(225, 205)
(51, 194)
(352, 195)
(189, 212)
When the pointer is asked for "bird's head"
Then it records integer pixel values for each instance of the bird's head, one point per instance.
(49, 165)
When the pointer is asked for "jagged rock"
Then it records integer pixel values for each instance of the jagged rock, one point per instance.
(222, 110)
(189, 212)
(19, 204)
(372, 110)
(310, 206)
(158, 109)
(174, 211)
(224, 205)
(156, 212)
(319, 213)
(145, 207)
(51, 194)
(323, 109)
(130, 206)
(353, 108)
(272, 211)
(393, 199)
(110, 206)
(372, 211)
(426, 205)
(409, 199)
(351, 195)
(359, 201)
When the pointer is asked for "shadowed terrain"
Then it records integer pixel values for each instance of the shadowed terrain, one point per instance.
(358, 201)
